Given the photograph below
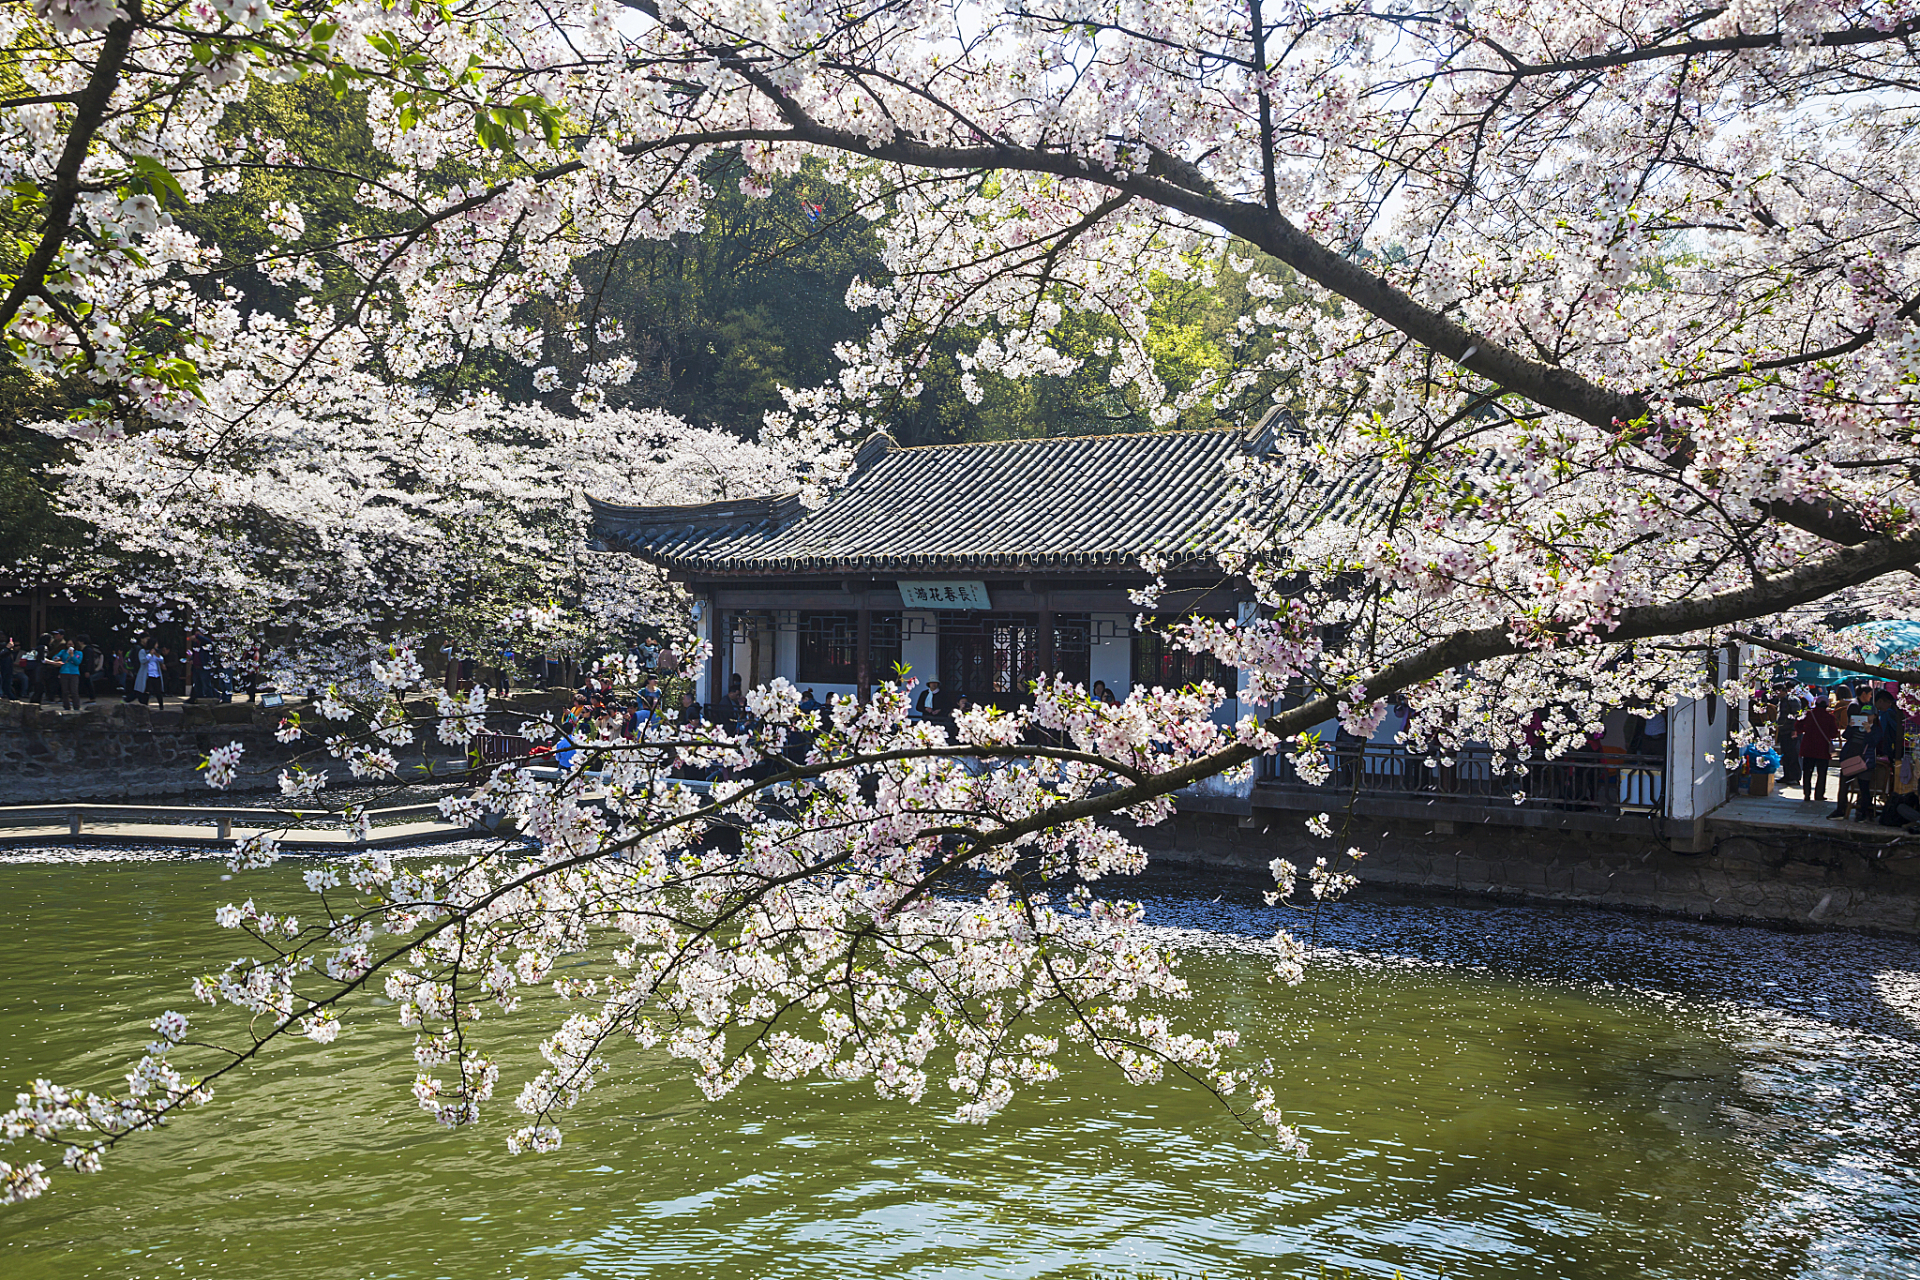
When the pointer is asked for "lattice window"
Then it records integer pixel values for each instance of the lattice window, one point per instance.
(993, 657)
(1156, 663)
(829, 647)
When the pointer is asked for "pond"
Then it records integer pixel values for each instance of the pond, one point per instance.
(1489, 1092)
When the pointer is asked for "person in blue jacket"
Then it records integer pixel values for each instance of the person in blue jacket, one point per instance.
(69, 656)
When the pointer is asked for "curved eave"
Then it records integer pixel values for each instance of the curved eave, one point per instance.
(904, 566)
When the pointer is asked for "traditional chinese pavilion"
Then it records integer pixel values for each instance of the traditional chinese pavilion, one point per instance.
(986, 565)
(980, 565)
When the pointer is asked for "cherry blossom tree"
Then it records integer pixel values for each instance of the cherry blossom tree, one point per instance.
(349, 513)
(1597, 334)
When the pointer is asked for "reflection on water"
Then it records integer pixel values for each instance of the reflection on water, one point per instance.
(1490, 1092)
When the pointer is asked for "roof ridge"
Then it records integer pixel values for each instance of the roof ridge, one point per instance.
(1112, 435)
(769, 500)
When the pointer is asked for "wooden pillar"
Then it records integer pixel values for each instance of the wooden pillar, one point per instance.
(722, 661)
(36, 617)
(863, 657)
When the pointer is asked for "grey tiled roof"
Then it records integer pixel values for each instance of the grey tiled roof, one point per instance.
(1075, 502)
(682, 537)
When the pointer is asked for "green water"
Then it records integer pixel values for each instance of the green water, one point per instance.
(1488, 1093)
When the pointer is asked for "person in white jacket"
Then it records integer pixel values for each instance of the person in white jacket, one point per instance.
(150, 675)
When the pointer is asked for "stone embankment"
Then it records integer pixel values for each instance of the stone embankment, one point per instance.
(115, 750)
(1855, 878)
(1850, 879)
(122, 750)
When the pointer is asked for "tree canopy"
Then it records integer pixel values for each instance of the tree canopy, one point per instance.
(1607, 315)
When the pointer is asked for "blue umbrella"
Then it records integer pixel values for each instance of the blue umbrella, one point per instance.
(1896, 643)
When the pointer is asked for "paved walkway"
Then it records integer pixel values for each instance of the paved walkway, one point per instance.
(189, 827)
(1788, 812)
(295, 840)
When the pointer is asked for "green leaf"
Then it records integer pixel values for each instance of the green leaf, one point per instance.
(491, 135)
(25, 194)
(158, 178)
(534, 108)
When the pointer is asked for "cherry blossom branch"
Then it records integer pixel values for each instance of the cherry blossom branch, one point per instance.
(90, 109)
(1177, 185)
(1826, 659)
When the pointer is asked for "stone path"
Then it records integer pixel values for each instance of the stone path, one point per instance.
(1779, 812)
(215, 828)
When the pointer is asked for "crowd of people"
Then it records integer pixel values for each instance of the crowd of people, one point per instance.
(599, 714)
(666, 699)
(597, 708)
(70, 671)
(1855, 734)
(499, 670)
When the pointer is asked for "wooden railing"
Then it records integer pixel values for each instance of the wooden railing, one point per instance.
(499, 748)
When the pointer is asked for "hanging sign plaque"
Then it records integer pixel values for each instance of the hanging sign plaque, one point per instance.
(944, 595)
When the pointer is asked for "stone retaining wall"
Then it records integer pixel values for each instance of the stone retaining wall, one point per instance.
(1767, 877)
(120, 751)
(116, 751)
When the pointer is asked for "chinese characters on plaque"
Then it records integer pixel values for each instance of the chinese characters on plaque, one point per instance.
(944, 595)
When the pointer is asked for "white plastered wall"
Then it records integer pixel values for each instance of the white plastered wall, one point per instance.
(703, 628)
(786, 651)
(739, 656)
(919, 648)
(1249, 611)
(1696, 749)
(1111, 659)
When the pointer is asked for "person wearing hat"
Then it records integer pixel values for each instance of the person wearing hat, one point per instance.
(1818, 729)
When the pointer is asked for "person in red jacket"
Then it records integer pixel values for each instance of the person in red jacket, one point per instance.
(1818, 729)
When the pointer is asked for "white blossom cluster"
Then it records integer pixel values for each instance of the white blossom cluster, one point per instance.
(860, 898)
(1556, 347)
(1595, 327)
(339, 516)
